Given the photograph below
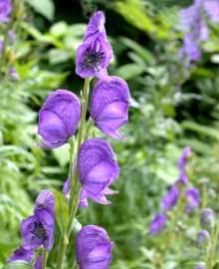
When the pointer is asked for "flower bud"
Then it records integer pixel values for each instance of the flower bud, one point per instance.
(203, 237)
(93, 248)
(207, 219)
(192, 200)
(59, 118)
(109, 105)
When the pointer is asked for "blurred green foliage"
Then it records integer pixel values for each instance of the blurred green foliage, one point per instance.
(173, 106)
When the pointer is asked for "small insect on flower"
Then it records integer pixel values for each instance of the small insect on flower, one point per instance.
(93, 248)
(59, 118)
(21, 254)
(95, 53)
(98, 169)
(158, 224)
(5, 10)
(110, 104)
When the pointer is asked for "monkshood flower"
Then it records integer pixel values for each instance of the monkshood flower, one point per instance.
(158, 224)
(203, 237)
(110, 104)
(5, 10)
(38, 264)
(207, 219)
(59, 118)
(182, 161)
(38, 230)
(171, 198)
(21, 254)
(194, 23)
(192, 199)
(93, 248)
(98, 169)
(95, 53)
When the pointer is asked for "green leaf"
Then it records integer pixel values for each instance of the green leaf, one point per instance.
(61, 208)
(62, 154)
(44, 7)
(18, 265)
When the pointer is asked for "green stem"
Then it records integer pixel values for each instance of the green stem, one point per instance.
(74, 174)
(44, 259)
(213, 248)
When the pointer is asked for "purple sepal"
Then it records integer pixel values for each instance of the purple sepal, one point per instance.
(158, 224)
(59, 118)
(171, 198)
(93, 248)
(39, 262)
(98, 169)
(21, 254)
(109, 105)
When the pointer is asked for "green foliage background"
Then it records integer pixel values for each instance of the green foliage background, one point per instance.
(173, 106)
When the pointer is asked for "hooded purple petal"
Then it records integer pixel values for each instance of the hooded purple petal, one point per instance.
(96, 26)
(158, 224)
(192, 199)
(98, 169)
(93, 248)
(110, 104)
(5, 10)
(39, 262)
(171, 198)
(45, 201)
(59, 118)
(21, 254)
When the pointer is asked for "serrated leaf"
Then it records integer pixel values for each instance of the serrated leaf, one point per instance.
(61, 208)
(44, 7)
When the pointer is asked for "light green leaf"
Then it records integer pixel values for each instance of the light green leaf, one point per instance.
(62, 154)
(61, 208)
(44, 7)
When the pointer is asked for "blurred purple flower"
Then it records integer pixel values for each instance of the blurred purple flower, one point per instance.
(200, 266)
(207, 219)
(38, 230)
(110, 104)
(203, 237)
(182, 161)
(1, 45)
(21, 254)
(13, 73)
(5, 10)
(98, 169)
(195, 26)
(38, 264)
(93, 248)
(59, 118)
(95, 53)
(171, 198)
(158, 224)
(192, 199)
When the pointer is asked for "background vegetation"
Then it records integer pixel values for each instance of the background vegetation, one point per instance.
(173, 105)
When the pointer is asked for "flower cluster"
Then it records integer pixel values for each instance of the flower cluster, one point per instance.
(194, 22)
(176, 192)
(37, 230)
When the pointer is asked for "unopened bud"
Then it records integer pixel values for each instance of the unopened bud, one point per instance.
(203, 237)
(207, 219)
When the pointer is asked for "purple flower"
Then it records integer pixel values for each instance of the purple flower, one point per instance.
(171, 198)
(158, 223)
(200, 266)
(38, 230)
(190, 49)
(59, 118)
(1, 46)
(182, 165)
(5, 10)
(38, 263)
(192, 199)
(93, 248)
(95, 53)
(98, 169)
(21, 254)
(211, 7)
(110, 104)
(13, 73)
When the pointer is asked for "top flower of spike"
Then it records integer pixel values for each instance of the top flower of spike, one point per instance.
(95, 53)
(5, 10)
